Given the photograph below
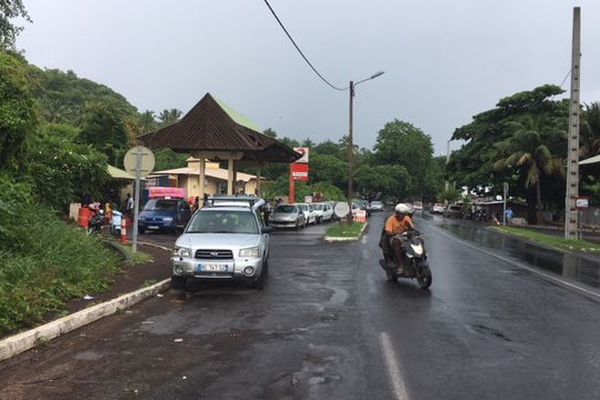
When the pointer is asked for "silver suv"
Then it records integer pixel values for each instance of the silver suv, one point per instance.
(222, 243)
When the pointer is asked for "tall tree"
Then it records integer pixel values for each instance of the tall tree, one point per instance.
(528, 152)
(10, 9)
(168, 117)
(104, 128)
(400, 143)
(147, 122)
(17, 111)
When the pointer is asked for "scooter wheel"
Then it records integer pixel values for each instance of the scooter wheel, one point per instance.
(424, 276)
(390, 276)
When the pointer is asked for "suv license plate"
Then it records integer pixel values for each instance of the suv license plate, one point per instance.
(213, 267)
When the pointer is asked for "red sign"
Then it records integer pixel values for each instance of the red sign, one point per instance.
(300, 172)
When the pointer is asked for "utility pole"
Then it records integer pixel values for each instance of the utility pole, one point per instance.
(572, 191)
(447, 185)
(350, 152)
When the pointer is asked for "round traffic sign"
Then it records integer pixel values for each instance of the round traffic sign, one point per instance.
(341, 209)
(139, 157)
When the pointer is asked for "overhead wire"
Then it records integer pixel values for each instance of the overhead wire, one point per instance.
(564, 80)
(300, 51)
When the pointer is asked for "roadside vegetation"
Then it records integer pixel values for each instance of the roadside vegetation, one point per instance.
(549, 240)
(57, 133)
(523, 141)
(344, 230)
(44, 262)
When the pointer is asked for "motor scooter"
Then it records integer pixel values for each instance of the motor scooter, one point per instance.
(414, 260)
(96, 222)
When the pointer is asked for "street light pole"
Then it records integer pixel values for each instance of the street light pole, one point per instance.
(350, 152)
(351, 87)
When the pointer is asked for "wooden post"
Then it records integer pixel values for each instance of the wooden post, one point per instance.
(230, 176)
(201, 179)
(292, 194)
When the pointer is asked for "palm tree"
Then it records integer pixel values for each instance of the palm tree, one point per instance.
(147, 122)
(590, 131)
(527, 150)
(168, 117)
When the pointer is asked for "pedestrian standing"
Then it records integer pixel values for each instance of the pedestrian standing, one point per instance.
(129, 206)
(509, 215)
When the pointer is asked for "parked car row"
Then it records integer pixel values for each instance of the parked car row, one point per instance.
(299, 215)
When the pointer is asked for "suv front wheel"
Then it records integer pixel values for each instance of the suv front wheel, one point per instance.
(178, 283)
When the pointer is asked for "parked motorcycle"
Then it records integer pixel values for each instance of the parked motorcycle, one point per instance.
(96, 222)
(415, 261)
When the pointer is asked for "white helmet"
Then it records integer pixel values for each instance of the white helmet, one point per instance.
(402, 208)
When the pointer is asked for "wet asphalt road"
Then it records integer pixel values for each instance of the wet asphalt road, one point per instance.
(329, 326)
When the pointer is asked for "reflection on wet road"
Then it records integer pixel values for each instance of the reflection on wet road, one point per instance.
(584, 269)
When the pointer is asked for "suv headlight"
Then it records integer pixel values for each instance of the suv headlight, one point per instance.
(182, 252)
(251, 252)
(168, 219)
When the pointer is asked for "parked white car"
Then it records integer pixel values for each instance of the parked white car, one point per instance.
(438, 208)
(324, 212)
(309, 212)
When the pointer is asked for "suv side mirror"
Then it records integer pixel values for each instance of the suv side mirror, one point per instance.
(266, 230)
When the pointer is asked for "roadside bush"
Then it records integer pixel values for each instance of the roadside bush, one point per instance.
(60, 169)
(15, 198)
(54, 264)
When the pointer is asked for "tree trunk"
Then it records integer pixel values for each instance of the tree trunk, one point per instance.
(531, 206)
(538, 192)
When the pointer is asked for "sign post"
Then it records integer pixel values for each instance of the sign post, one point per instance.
(505, 188)
(139, 160)
(298, 171)
(581, 203)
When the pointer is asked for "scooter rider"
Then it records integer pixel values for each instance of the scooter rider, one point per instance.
(395, 226)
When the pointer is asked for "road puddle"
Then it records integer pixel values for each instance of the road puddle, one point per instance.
(569, 265)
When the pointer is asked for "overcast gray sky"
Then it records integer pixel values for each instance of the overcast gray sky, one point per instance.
(444, 60)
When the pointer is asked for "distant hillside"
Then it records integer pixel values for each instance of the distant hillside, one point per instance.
(65, 98)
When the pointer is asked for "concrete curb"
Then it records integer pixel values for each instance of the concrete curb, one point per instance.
(24, 341)
(156, 246)
(332, 239)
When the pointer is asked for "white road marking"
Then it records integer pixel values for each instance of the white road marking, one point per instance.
(392, 366)
(520, 265)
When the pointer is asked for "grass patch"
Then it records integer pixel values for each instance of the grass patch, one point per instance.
(549, 240)
(50, 264)
(345, 230)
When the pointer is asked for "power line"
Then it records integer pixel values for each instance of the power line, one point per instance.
(564, 80)
(300, 51)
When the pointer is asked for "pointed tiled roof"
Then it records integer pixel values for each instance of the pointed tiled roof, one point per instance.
(211, 125)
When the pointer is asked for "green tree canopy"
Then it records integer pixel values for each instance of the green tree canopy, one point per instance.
(400, 143)
(17, 111)
(9, 10)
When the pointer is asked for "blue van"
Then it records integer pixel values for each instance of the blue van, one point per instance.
(164, 215)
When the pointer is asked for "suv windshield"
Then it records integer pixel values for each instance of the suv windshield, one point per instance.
(161, 205)
(223, 222)
(285, 209)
